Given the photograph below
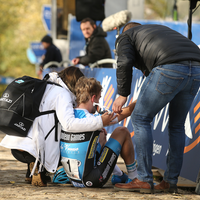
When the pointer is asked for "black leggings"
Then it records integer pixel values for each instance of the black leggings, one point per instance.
(25, 157)
(22, 156)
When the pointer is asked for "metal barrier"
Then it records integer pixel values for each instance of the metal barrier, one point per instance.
(57, 63)
(103, 61)
(93, 65)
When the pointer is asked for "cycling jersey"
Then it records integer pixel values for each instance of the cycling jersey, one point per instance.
(84, 162)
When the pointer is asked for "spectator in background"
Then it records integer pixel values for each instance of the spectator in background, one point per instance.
(97, 47)
(52, 53)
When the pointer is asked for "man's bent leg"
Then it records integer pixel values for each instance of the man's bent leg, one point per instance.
(100, 174)
(119, 139)
(122, 135)
(135, 184)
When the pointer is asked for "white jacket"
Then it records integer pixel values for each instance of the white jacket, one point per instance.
(60, 99)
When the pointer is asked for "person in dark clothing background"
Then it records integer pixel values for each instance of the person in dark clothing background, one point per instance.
(97, 47)
(171, 63)
(52, 52)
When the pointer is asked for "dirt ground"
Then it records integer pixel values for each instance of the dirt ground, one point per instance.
(13, 186)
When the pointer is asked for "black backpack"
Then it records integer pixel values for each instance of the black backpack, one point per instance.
(19, 105)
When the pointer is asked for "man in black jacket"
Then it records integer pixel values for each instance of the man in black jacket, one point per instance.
(52, 52)
(97, 47)
(171, 63)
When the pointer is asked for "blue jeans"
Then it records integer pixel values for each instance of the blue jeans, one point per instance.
(176, 84)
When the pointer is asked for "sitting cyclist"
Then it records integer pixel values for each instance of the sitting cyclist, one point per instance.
(88, 159)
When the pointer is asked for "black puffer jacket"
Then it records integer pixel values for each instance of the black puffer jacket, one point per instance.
(52, 54)
(148, 46)
(97, 48)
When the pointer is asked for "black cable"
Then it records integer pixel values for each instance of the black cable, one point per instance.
(195, 9)
(189, 23)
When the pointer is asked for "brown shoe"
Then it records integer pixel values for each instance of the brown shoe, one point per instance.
(166, 187)
(136, 186)
(47, 177)
(28, 180)
(37, 178)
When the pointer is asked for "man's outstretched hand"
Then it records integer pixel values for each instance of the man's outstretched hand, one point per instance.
(118, 103)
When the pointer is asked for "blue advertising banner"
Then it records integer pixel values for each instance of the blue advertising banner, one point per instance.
(6, 80)
(46, 17)
(38, 50)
